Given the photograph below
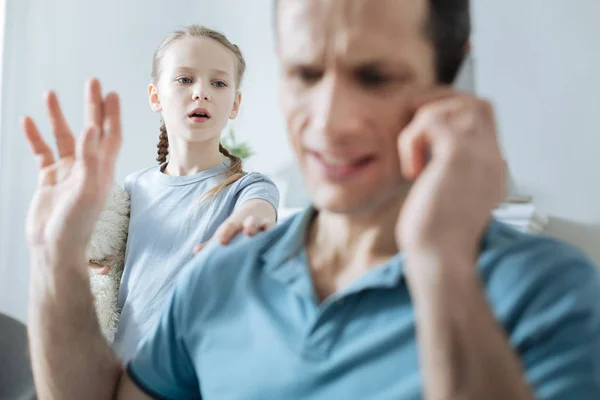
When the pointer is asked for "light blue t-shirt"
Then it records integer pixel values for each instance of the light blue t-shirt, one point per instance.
(167, 221)
(244, 323)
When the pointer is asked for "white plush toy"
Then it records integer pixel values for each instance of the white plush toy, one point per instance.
(107, 247)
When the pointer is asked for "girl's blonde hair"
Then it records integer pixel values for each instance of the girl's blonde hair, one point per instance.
(234, 172)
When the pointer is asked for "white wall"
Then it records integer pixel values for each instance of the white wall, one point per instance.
(539, 61)
(58, 44)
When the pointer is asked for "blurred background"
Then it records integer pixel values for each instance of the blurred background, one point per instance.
(537, 60)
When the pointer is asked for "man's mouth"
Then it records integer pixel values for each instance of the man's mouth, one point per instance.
(340, 168)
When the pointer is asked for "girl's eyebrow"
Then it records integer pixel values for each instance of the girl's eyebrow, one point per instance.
(214, 70)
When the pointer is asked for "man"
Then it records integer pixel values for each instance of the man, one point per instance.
(393, 285)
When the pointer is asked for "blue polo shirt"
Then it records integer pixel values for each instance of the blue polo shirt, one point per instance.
(244, 323)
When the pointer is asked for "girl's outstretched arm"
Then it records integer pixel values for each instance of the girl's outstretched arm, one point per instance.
(253, 216)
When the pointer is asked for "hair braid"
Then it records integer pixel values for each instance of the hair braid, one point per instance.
(163, 144)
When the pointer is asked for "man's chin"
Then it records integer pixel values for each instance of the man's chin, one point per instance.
(345, 205)
(354, 203)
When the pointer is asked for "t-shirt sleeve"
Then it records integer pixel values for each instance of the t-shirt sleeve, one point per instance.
(555, 306)
(163, 366)
(257, 186)
(128, 184)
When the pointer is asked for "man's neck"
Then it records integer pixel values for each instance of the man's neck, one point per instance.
(188, 158)
(341, 248)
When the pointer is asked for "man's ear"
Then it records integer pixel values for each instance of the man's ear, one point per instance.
(153, 98)
(236, 105)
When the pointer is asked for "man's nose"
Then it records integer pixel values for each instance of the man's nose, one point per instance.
(336, 114)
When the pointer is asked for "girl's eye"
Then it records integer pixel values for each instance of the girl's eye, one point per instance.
(184, 80)
(219, 84)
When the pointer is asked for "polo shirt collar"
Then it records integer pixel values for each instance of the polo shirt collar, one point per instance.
(286, 258)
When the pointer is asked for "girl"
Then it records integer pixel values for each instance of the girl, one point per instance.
(193, 192)
(196, 76)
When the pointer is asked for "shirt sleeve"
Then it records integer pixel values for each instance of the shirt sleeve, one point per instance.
(555, 308)
(128, 184)
(257, 186)
(163, 366)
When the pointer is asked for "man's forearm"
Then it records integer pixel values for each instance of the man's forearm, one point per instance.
(70, 357)
(464, 352)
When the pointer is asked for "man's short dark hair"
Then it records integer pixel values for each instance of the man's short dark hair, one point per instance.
(449, 29)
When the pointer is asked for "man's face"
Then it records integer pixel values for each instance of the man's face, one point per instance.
(349, 70)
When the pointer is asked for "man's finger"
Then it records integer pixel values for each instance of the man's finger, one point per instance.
(39, 147)
(94, 104)
(415, 141)
(432, 95)
(64, 137)
(439, 122)
(413, 149)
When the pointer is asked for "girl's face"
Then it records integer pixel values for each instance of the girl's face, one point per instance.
(196, 89)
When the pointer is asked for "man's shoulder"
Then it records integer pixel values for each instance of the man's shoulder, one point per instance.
(227, 265)
(504, 242)
(544, 292)
(515, 264)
